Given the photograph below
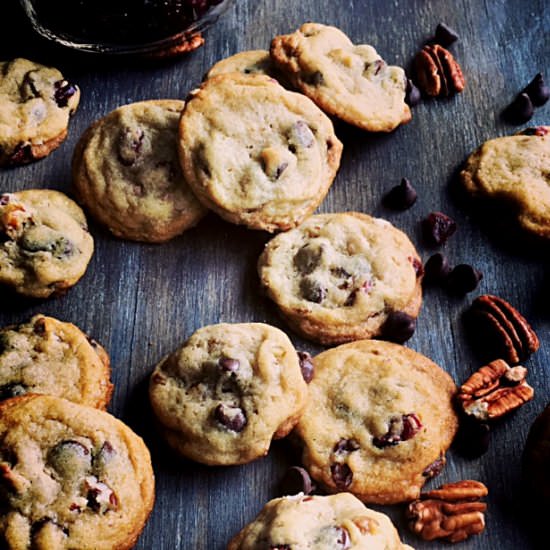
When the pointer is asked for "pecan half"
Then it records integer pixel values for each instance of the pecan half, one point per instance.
(504, 328)
(495, 390)
(437, 71)
(452, 512)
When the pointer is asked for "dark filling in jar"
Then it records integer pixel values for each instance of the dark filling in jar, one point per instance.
(128, 22)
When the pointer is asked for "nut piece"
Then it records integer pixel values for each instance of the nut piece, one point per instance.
(437, 72)
(512, 337)
(451, 513)
(495, 390)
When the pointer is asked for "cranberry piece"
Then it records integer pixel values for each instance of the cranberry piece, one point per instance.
(341, 475)
(399, 327)
(296, 480)
(435, 468)
(63, 92)
(411, 426)
(342, 538)
(229, 364)
(231, 417)
(39, 326)
(536, 131)
(463, 279)
(417, 266)
(306, 365)
(401, 196)
(438, 227)
(401, 429)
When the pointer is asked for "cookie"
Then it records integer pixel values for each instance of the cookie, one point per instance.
(378, 420)
(126, 173)
(332, 522)
(51, 357)
(255, 153)
(227, 392)
(36, 103)
(513, 170)
(70, 477)
(247, 62)
(536, 459)
(341, 277)
(45, 245)
(350, 82)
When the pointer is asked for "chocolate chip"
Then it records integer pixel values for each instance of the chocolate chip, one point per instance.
(438, 227)
(341, 475)
(473, 437)
(231, 417)
(537, 91)
(536, 131)
(401, 196)
(39, 326)
(63, 92)
(100, 496)
(437, 269)
(463, 279)
(444, 35)
(5, 199)
(103, 457)
(312, 291)
(70, 459)
(315, 79)
(342, 538)
(399, 327)
(520, 110)
(296, 480)
(229, 364)
(412, 94)
(308, 258)
(435, 468)
(417, 266)
(300, 135)
(12, 390)
(130, 143)
(345, 446)
(22, 154)
(306, 365)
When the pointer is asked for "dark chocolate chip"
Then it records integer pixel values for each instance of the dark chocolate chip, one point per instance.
(412, 94)
(444, 35)
(300, 135)
(537, 91)
(5, 199)
(312, 291)
(103, 457)
(231, 417)
(308, 258)
(463, 279)
(315, 79)
(437, 269)
(21, 155)
(520, 110)
(345, 446)
(296, 480)
(399, 327)
(401, 428)
(12, 390)
(435, 468)
(70, 459)
(306, 365)
(401, 196)
(438, 227)
(535, 131)
(129, 145)
(39, 326)
(229, 364)
(341, 475)
(28, 88)
(473, 437)
(63, 92)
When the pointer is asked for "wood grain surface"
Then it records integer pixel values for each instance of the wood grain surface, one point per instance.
(141, 301)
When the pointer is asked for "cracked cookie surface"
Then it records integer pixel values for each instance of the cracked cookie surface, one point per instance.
(351, 82)
(228, 391)
(515, 170)
(338, 277)
(48, 356)
(126, 173)
(378, 421)
(45, 245)
(70, 477)
(255, 153)
(36, 103)
(334, 522)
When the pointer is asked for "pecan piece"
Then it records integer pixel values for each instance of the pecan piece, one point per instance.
(508, 331)
(437, 71)
(495, 390)
(452, 512)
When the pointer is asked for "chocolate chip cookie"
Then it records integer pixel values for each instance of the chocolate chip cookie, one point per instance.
(222, 396)
(126, 173)
(36, 103)
(70, 477)
(45, 246)
(341, 277)
(247, 62)
(255, 153)
(304, 522)
(48, 356)
(378, 421)
(514, 171)
(351, 82)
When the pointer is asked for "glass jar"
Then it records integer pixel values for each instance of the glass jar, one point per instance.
(124, 26)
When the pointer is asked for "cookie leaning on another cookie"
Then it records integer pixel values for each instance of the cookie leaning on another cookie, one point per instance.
(36, 103)
(126, 173)
(247, 62)
(72, 477)
(48, 356)
(255, 153)
(45, 245)
(227, 392)
(341, 277)
(318, 522)
(378, 421)
(351, 82)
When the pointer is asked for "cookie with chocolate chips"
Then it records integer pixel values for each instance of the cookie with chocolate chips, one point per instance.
(36, 103)
(255, 153)
(335, 522)
(378, 421)
(342, 277)
(51, 357)
(45, 245)
(126, 173)
(71, 476)
(227, 392)
(351, 82)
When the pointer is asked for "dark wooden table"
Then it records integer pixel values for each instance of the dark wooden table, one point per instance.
(141, 301)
